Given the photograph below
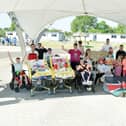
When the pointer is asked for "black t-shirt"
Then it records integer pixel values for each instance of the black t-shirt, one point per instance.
(41, 52)
(120, 53)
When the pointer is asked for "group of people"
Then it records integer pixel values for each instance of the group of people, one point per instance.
(80, 59)
(10, 41)
(113, 63)
(35, 53)
(117, 60)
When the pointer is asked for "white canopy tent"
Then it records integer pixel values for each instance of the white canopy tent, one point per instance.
(34, 14)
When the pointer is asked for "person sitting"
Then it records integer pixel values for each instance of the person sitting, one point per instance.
(101, 68)
(83, 75)
(19, 72)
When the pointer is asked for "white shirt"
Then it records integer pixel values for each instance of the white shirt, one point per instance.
(18, 67)
(101, 68)
(106, 48)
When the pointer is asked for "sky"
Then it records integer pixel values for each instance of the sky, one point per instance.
(61, 24)
(4, 20)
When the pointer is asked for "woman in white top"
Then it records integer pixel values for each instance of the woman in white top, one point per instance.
(101, 68)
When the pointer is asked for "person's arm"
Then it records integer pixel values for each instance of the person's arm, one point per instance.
(45, 50)
(117, 54)
(23, 59)
(36, 49)
(64, 49)
(82, 50)
(45, 56)
(9, 55)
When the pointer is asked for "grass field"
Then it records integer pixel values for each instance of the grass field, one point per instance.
(68, 45)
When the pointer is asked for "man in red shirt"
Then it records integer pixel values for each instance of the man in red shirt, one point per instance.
(75, 54)
(33, 54)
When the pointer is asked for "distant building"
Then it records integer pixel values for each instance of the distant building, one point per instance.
(54, 36)
(100, 37)
(11, 34)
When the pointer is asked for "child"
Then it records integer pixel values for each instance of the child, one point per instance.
(118, 66)
(18, 68)
(83, 74)
(124, 65)
(101, 67)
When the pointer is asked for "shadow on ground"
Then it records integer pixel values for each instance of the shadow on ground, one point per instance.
(9, 96)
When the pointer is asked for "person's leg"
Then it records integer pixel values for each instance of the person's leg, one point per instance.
(20, 78)
(98, 75)
(26, 79)
(91, 77)
(74, 64)
(78, 80)
(96, 79)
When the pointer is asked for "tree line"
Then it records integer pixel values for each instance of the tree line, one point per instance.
(4, 30)
(90, 24)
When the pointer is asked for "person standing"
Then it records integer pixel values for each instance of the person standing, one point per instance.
(81, 48)
(33, 54)
(47, 56)
(106, 46)
(41, 50)
(75, 54)
(120, 52)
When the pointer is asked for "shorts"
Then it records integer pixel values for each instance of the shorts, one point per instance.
(74, 64)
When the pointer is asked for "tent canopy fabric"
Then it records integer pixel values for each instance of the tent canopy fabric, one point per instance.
(33, 15)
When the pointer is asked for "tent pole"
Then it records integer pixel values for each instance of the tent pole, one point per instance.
(21, 41)
(19, 32)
